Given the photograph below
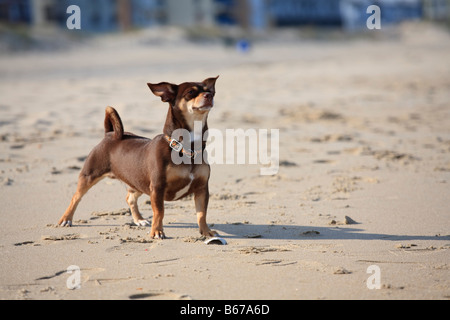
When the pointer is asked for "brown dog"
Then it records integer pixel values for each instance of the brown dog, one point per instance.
(146, 165)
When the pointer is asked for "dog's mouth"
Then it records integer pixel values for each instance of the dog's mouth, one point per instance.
(205, 107)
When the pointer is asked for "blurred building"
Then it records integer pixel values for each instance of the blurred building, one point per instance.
(338, 12)
(97, 15)
(438, 10)
(305, 12)
(18, 11)
(114, 15)
(190, 12)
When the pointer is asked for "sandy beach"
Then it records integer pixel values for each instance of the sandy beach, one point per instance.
(363, 179)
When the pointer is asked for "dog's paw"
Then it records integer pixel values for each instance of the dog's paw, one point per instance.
(65, 223)
(157, 235)
(208, 233)
(142, 223)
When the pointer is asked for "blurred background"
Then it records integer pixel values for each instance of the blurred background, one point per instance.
(274, 49)
(207, 18)
(112, 15)
(363, 117)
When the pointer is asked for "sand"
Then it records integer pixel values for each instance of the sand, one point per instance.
(364, 176)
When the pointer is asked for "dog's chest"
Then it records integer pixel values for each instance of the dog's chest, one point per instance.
(183, 180)
(183, 191)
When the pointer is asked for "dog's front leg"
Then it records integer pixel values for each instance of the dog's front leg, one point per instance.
(201, 205)
(157, 200)
(132, 198)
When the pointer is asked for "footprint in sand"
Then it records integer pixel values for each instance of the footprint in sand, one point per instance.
(73, 236)
(24, 243)
(258, 250)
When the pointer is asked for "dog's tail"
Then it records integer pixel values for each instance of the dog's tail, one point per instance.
(113, 123)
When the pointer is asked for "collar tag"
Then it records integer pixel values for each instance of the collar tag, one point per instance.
(176, 145)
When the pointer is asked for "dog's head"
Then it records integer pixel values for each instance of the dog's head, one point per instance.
(193, 98)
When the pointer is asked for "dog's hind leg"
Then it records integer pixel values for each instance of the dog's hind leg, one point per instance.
(85, 182)
(132, 198)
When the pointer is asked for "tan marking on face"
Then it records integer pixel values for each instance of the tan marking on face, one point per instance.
(190, 113)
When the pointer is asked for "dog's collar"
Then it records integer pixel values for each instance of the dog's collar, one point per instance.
(178, 147)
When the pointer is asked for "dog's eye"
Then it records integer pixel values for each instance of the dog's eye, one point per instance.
(191, 94)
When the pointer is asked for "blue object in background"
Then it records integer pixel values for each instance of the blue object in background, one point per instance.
(243, 46)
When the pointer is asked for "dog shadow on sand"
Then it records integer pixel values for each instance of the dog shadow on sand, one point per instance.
(292, 232)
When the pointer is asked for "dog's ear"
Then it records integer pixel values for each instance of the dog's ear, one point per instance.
(210, 84)
(165, 90)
